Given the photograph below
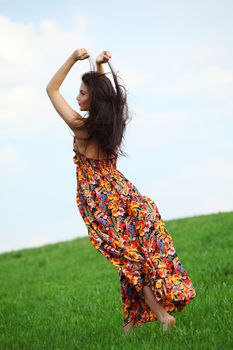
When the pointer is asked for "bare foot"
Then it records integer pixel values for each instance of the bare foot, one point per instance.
(128, 327)
(168, 323)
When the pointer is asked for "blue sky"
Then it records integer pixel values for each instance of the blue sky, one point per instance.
(175, 58)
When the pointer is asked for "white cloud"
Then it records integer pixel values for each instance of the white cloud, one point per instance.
(13, 162)
(9, 155)
(20, 57)
(29, 56)
(212, 204)
(20, 104)
(31, 53)
(214, 82)
(200, 187)
(204, 72)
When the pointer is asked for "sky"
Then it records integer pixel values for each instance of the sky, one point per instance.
(175, 58)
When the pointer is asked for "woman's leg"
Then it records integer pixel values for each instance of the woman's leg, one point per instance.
(128, 327)
(158, 309)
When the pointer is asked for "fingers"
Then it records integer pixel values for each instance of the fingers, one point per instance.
(106, 55)
(83, 53)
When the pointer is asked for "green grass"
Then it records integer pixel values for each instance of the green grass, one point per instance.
(67, 295)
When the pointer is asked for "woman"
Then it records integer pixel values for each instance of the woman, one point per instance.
(122, 224)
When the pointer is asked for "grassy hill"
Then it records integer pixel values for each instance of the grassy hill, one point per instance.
(67, 295)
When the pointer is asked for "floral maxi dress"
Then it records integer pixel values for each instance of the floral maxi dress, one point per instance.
(126, 227)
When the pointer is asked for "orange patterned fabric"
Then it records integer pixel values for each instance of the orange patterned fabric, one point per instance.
(127, 229)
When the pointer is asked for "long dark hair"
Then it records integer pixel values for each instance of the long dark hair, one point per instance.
(108, 112)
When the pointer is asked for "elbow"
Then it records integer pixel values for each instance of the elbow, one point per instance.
(48, 89)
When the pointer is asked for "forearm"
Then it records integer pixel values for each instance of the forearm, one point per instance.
(60, 75)
(100, 68)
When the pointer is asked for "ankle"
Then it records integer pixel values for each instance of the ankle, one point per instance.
(161, 316)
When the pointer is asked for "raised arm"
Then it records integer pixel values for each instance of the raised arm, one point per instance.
(104, 57)
(69, 115)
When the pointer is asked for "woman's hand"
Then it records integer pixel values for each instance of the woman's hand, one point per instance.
(104, 57)
(80, 54)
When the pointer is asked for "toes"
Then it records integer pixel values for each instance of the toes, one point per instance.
(171, 321)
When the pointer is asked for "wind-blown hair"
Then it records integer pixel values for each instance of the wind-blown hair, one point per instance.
(108, 112)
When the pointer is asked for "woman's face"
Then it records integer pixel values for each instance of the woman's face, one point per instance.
(83, 98)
